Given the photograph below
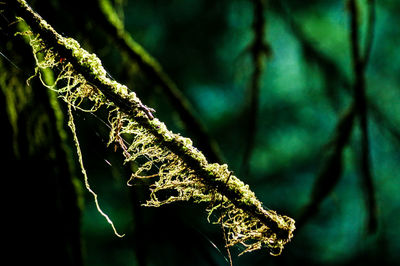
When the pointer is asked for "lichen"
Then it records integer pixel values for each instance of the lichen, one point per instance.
(175, 181)
(180, 171)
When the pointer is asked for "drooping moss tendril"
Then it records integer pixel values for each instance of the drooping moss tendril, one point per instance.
(71, 125)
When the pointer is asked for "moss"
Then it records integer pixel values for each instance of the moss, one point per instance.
(169, 158)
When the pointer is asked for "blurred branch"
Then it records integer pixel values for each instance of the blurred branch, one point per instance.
(154, 71)
(331, 171)
(370, 31)
(335, 75)
(259, 48)
(359, 94)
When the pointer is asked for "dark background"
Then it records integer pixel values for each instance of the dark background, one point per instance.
(203, 45)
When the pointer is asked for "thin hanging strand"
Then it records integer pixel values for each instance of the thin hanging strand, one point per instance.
(71, 124)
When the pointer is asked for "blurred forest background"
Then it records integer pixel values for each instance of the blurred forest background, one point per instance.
(272, 82)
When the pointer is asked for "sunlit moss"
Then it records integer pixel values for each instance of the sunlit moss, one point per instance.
(181, 172)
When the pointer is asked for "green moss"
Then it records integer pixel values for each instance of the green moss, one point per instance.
(170, 159)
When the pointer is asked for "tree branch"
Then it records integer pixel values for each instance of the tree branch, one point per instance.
(330, 69)
(271, 229)
(258, 49)
(331, 171)
(359, 94)
(334, 74)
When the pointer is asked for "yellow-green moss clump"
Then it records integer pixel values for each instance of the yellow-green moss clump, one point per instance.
(181, 172)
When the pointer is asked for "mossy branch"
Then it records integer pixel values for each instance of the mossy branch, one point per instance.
(179, 165)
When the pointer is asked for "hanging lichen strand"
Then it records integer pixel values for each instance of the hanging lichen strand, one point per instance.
(181, 172)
